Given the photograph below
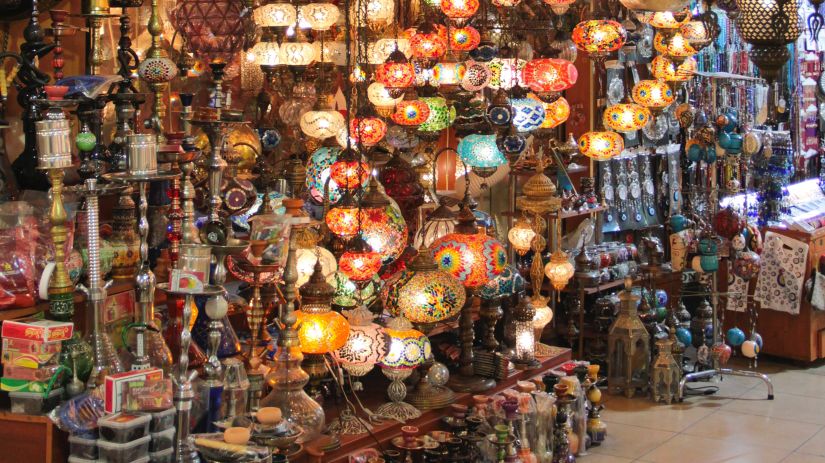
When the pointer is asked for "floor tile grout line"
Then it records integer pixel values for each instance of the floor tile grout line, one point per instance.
(821, 428)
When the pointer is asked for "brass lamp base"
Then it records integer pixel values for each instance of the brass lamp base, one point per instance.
(349, 424)
(543, 350)
(474, 383)
(398, 411)
(430, 397)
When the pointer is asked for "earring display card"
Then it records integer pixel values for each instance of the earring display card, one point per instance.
(780, 282)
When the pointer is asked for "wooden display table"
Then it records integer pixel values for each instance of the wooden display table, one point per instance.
(31, 439)
(375, 394)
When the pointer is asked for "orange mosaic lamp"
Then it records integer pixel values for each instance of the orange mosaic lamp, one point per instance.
(626, 117)
(367, 130)
(342, 220)
(544, 75)
(395, 74)
(459, 11)
(320, 329)
(464, 38)
(348, 171)
(655, 95)
(667, 20)
(555, 113)
(601, 146)
(360, 262)
(599, 37)
(411, 112)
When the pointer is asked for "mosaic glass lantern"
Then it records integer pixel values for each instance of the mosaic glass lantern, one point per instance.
(481, 151)
(521, 236)
(474, 259)
(626, 117)
(599, 37)
(348, 171)
(696, 33)
(411, 112)
(423, 293)
(674, 46)
(559, 7)
(476, 77)
(409, 348)
(668, 19)
(441, 115)
(360, 262)
(459, 11)
(379, 51)
(508, 283)
(655, 5)
(559, 270)
(275, 15)
(367, 130)
(768, 25)
(319, 16)
(317, 174)
(266, 53)
(320, 330)
(297, 53)
(665, 69)
(464, 38)
(601, 146)
(427, 44)
(506, 73)
(528, 114)
(366, 345)
(448, 74)
(348, 294)
(322, 123)
(555, 113)
(384, 229)
(334, 52)
(655, 95)
(380, 97)
(305, 259)
(376, 13)
(628, 347)
(395, 74)
(545, 75)
(342, 221)
(440, 222)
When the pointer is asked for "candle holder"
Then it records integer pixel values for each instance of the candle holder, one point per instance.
(105, 360)
(184, 444)
(147, 334)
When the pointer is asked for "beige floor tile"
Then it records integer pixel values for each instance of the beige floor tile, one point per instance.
(754, 430)
(797, 457)
(784, 406)
(630, 441)
(800, 383)
(815, 445)
(684, 449)
(602, 458)
(643, 412)
(815, 369)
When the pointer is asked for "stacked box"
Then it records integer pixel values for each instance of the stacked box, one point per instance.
(30, 358)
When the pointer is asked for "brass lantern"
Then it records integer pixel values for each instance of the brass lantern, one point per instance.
(628, 347)
(769, 25)
(666, 373)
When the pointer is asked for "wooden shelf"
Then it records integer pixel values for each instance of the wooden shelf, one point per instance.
(31, 438)
(572, 288)
(79, 298)
(571, 214)
(375, 394)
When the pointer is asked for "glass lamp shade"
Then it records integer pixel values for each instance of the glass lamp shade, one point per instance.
(331, 52)
(459, 10)
(544, 315)
(266, 53)
(505, 3)
(275, 15)
(549, 75)
(380, 11)
(347, 294)
(525, 342)
(509, 282)
(321, 332)
(360, 264)
(674, 46)
(599, 37)
(476, 77)
(423, 294)
(411, 113)
(435, 226)
(521, 236)
(305, 262)
(506, 73)
(396, 72)
(343, 222)
(449, 73)
(349, 173)
(668, 20)
(319, 16)
(322, 124)
(428, 45)
(368, 130)
(366, 345)
(665, 69)
(655, 95)
(441, 115)
(478, 150)
(464, 38)
(385, 230)
(601, 146)
(382, 100)
(297, 53)
(318, 171)
(528, 114)
(626, 117)
(379, 51)
(559, 270)
(474, 259)
(157, 70)
(695, 32)
(559, 7)
(409, 348)
(555, 113)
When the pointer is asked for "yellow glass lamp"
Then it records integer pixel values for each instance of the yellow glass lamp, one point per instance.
(409, 348)
(266, 53)
(655, 95)
(626, 117)
(320, 329)
(668, 20)
(319, 16)
(559, 7)
(674, 46)
(521, 236)
(665, 69)
(601, 146)
(275, 15)
(599, 37)
(543, 316)
(559, 270)
(380, 97)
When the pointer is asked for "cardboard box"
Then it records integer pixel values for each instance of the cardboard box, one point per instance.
(115, 384)
(23, 360)
(33, 329)
(22, 385)
(30, 374)
(30, 347)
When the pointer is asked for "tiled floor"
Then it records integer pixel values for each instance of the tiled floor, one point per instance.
(737, 424)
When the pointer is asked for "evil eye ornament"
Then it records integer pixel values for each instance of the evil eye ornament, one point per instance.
(735, 336)
(684, 336)
(757, 338)
(750, 349)
(661, 298)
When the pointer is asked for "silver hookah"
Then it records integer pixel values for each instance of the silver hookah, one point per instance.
(104, 357)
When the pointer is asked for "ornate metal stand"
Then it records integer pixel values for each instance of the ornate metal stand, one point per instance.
(466, 380)
(184, 445)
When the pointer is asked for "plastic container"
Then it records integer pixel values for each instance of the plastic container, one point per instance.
(161, 421)
(162, 440)
(74, 459)
(83, 448)
(33, 403)
(164, 456)
(124, 427)
(130, 452)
